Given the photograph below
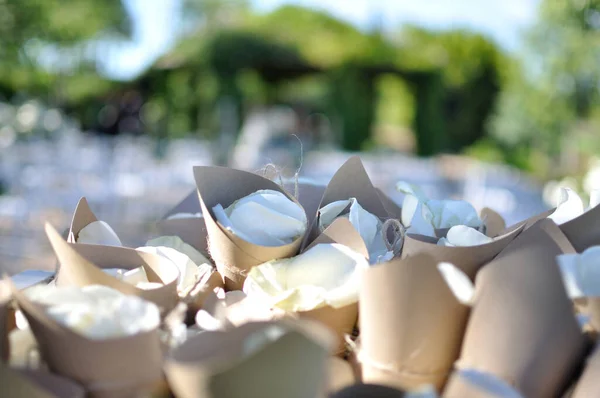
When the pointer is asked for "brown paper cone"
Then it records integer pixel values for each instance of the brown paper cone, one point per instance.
(589, 383)
(350, 181)
(191, 230)
(469, 259)
(522, 328)
(309, 196)
(340, 321)
(82, 217)
(234, 256)
(411, 324)
(5, 323)
(210, 281)
(82, 265)
(529, 222)
(592, 308)
(343, 232)
(494, 223)
(213, 364)
(117, 367)
(339, 375)
(393, 209)
(369, 391)
(18, 383)
(583, 231)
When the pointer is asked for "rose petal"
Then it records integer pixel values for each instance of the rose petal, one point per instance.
(458, 282)
(461, 235)
(98, 233)
(569, 207)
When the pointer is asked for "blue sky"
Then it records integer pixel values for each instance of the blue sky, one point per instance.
(155, 22)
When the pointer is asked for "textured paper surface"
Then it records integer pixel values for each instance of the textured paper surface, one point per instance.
(191, 230)
(468, 259)
(116, 367)
(213, 364)
(82, 264)
(522, 328)
(411, 324)
(234, 256)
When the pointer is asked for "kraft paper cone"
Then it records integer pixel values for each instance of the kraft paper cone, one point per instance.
(309, 196)
(234, 256)
(522, 328)
(393, 209)
(494, 222)
(592, 308)
(82, 265)
(116, 367)
(210, 281)
(350, 181)
(369, 391)
(339, 375)
(214, 364)
(468, 259)
(191, 230)
(583, 231)
(20, 383)
(343, 232)
(529, 222)
(5, 323)
(411, 324)
(589, 383)
(82, 217)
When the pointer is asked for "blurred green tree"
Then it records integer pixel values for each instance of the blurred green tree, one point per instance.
(552, 101)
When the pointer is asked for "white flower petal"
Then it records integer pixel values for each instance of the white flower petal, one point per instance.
(420, 224)
(266, 218)
(178, 216)
(98, 312)
(331, 211)
(365, 223)
(569, 207)
(444, 242)
(594, 198)
(188, 270)
(324, 275)
(175, 242)
(490, 384)
(461, 235)
(569, 269)
(410, 205)
(458, 282)
(581, 272)
(448, 213)
(98, 233)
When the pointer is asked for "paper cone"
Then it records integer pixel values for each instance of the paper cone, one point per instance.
(592, 308)
(583, 231)
(369, 391)
(117, 367)
(411, 324)
(522, 328)
(82, 217)
(339, 375)
(393, 209)
(213, 364)
(5, 320)
(234, 256)
(589, 383)
(191, 230)
(18, 383)
(529, 222)
(350, 181)
(309, 196)
(494, 223)
(208, 283)
(82, 265)
(469, 259)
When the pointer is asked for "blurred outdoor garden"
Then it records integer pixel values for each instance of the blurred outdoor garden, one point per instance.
(85, 111)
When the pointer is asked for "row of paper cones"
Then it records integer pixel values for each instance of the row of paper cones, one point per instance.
(520, 328)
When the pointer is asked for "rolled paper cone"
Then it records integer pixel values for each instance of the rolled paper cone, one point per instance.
(21, 383)
(215, 364)
(583, 231)
(115, 367)
(234, 256)
(82, 217)
(369, 391)
(6, 320)
(411, 324)
(522, 328)
(469, 259)
(339, 375)
(529, 222)
(191, 230)
(461, 386)
(82, 265)
(393, 209)
(210, 281)
(309, 196)
(350, 181)
(593, 310)
(340, 321)
(494, 222)
(589, 383)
